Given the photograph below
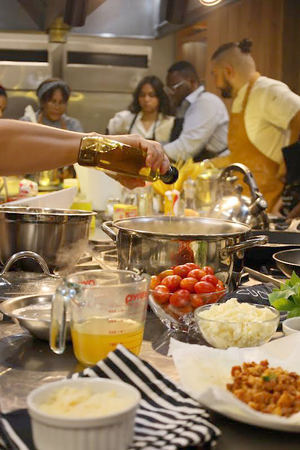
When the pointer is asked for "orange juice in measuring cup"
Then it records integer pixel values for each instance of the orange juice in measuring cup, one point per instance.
(107, 308)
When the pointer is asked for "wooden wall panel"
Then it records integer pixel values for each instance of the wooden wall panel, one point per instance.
(260, 20)
(291, 44)
(273, 25)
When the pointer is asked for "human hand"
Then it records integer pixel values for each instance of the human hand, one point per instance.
(156, 157)
(295, 212)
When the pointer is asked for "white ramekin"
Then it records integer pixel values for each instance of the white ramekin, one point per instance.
(110, 432)
(290, 326)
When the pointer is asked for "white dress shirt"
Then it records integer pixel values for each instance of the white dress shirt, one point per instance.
(161, 129)
(271, 106)
(205, 126)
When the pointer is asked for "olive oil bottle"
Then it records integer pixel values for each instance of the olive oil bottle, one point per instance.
(112, 156)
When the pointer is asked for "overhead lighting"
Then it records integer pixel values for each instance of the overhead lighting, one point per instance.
(210, 2)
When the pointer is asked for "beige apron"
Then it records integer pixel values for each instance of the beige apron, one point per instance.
(264, 170)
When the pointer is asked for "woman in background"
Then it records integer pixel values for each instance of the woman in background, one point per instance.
(53, 95)
(3, 100)
(148, 115)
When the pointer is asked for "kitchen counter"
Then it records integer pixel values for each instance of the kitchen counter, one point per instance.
(26, 363)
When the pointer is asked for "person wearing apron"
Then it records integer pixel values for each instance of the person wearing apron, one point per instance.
(148, 114)
(262, 117)
(53, 95)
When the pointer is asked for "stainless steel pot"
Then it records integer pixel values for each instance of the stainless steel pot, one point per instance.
(60, 236)
(152, 244)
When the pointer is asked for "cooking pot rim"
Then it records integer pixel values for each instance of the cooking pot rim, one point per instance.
(28, 210)
(244, 228)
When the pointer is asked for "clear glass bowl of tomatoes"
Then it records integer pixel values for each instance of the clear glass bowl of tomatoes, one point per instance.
(176, 292)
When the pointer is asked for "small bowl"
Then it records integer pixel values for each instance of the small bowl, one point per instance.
(110, 432)
(224, 334)
(291, 325)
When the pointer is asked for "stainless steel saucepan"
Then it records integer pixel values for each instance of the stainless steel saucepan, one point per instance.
(152, 244)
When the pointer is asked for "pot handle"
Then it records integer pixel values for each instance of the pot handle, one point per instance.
(31, 255)
(107, 228)
(258, 240)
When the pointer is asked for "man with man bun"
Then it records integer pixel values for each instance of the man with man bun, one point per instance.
(265, 117)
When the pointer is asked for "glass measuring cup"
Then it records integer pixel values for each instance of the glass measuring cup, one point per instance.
(107, 308)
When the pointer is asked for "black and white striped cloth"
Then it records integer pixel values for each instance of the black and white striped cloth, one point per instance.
(167, 418)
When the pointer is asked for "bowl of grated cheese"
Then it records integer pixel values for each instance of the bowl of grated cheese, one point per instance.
(234, 324)
(83, 413)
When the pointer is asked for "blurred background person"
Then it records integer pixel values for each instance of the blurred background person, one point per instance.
(200, 129)
(53, 95)
(3, 100)
(148, 115)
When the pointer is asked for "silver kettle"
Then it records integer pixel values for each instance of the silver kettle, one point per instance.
(235, 206)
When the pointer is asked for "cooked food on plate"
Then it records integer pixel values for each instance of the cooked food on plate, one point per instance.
(270, 390)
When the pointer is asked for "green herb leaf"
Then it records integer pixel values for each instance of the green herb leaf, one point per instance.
(283, 304)
(270, 377)
(293, 280)
(287, 297)
(294, 312)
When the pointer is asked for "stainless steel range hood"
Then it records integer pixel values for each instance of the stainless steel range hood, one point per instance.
(45, 12)
(144, 19)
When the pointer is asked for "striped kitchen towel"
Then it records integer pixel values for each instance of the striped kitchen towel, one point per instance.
(167, 418)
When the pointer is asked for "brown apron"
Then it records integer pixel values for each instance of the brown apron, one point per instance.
(264, 170)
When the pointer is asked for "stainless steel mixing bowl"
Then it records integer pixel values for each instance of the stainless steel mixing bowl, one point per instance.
(38, 322)
(60, 236)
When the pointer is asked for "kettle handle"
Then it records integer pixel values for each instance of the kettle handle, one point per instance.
(258, 240)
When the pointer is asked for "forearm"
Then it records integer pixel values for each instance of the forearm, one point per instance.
(27, 147)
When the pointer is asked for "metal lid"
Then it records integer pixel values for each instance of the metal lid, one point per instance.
(182, 227)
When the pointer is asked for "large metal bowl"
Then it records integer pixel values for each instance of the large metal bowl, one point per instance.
(39, 322)
(60, 236)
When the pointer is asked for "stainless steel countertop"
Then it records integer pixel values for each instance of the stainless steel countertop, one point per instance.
(26, 363)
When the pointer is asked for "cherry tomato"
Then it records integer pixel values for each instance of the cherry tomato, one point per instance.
(192, 266)
(180, 298)
(208, 270)
(203, 287)
(210, 279)
(161, 294)
(188, 283)
(172, 282)
(155, 280)
(197, 273)
(220, 286)
(197, 300)
(182, 271)
(166, 273)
